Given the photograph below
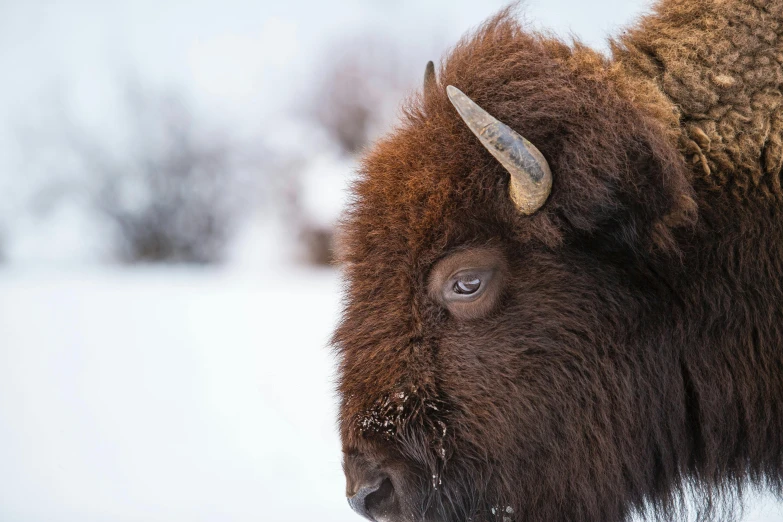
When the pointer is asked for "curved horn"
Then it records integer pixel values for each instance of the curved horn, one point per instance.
(531, 179)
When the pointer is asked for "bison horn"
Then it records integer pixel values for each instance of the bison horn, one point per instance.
(429, 75)
(531, 179)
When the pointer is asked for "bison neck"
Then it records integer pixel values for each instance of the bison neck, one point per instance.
(728, 319)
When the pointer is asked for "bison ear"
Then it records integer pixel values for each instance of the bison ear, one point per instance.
(624, 192)
(649, 202)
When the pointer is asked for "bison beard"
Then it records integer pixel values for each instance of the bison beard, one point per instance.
(625, 343)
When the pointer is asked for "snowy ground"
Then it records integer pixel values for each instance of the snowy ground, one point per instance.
(168, 395)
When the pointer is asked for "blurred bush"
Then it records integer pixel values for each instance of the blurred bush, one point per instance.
(174, 191)
(177, 200)
(359, 89)
(159, 183)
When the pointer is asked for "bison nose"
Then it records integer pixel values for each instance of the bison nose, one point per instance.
(370, 501)
(369, 488)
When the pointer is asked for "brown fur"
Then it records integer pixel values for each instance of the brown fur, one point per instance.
(637, 349)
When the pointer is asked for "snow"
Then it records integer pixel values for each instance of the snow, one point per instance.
(173, 395)
(166, 395)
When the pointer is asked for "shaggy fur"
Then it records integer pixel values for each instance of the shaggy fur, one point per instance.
(637, 350)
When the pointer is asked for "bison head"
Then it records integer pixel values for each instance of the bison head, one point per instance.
(504, 358)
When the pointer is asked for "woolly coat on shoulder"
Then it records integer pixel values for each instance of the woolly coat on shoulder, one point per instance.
(719, 68)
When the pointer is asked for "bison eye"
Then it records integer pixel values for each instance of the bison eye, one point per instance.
(469, 282)
(467, 287)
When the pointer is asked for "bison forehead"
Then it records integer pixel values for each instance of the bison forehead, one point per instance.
(406, 209)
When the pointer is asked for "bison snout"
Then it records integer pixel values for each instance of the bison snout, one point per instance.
(373, 502)
(369, 490)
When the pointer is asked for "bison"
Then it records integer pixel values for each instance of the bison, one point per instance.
(564, 278)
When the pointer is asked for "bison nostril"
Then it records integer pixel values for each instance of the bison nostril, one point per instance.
(371, 501)
(377, 501)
